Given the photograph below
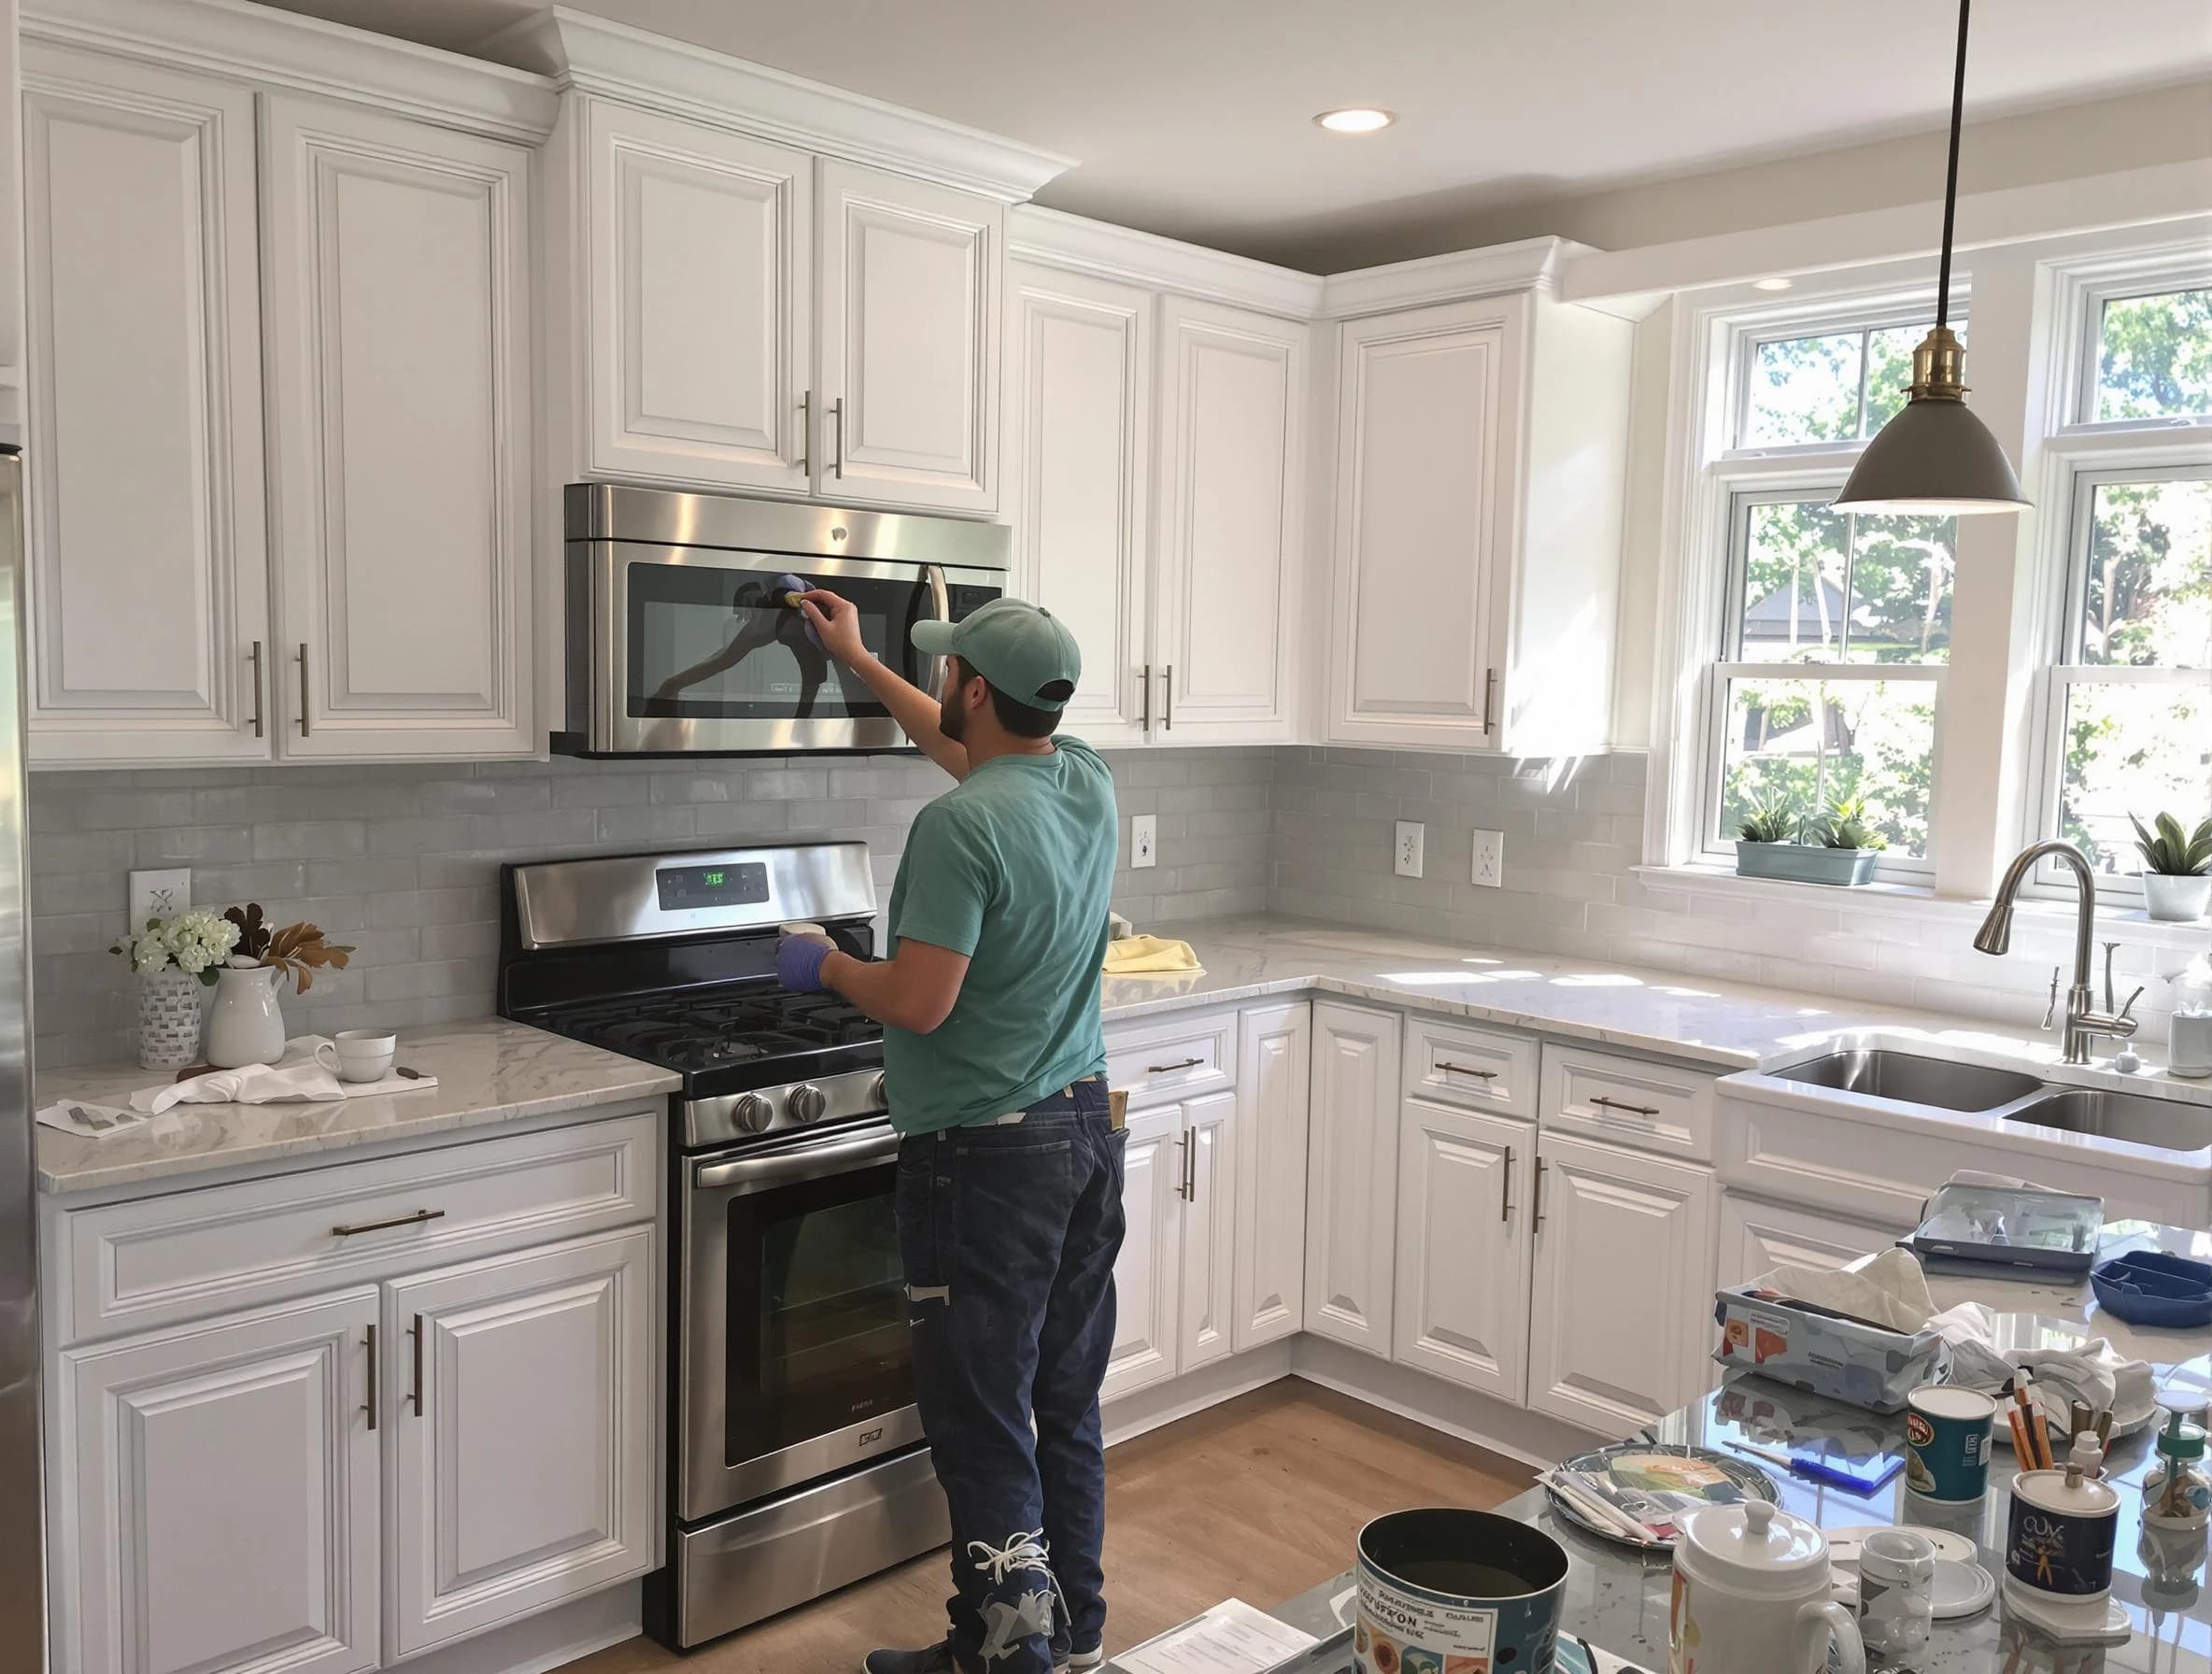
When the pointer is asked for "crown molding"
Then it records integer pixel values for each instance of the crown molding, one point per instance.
(1058, 239)
(615, 60)
(1526, 265)
(243, 41)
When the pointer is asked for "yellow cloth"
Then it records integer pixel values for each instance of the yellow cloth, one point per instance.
(1134, 954)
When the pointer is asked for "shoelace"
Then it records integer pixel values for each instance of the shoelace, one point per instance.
(1022, 1551)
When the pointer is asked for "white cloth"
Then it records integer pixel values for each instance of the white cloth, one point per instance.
(1887, 1289)
(295, 1076)
(2091, 1372)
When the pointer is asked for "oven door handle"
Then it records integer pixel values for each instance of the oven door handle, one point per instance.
(833, 1155)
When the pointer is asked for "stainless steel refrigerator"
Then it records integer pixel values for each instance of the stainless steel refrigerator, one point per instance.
(23, 1518)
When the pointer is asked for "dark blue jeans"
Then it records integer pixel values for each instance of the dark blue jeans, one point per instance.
(1007, 1232)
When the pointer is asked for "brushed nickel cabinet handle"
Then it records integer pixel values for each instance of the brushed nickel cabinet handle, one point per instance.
(1190, 1168)
(415, 1395)
(1183, 1164)
(1451, 1069)
(1505, 1211)
(807, 431)
(1489, 702)
(254, 657)
(1187, 1063)
(837, 450)
(306, 728)
(371, 1407)
(1144, 717)
(1634, 1110)
(1168, 700)
(416, 1218)
(1539, 1194)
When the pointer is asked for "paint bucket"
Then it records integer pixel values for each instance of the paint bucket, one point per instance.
(1447, 1591)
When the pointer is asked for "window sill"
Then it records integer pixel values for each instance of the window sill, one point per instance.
(2128, 923)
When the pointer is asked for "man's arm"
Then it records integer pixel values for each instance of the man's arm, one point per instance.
(838, 624)
(914, 990)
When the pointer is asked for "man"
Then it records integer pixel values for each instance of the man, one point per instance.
(1009, 1174)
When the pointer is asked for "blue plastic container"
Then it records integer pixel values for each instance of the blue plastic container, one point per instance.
(2150, 1287)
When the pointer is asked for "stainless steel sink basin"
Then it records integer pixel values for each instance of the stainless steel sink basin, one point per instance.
(2168, 1124)
(1908, 1079)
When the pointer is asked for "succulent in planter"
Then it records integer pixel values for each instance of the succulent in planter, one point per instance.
(1847, 826)
(1770, 819)
(2176, 868)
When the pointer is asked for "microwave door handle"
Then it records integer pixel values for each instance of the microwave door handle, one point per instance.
(941, 610)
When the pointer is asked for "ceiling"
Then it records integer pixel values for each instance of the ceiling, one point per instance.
(1192, 118)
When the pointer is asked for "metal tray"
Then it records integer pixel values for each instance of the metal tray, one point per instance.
(1749, 1480)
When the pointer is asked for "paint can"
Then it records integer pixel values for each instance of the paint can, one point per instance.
(1448, 1591)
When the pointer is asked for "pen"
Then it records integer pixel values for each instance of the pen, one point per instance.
(1812, 1470)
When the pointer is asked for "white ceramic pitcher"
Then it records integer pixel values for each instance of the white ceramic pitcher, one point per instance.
(245, 1025)
(1751, 1596)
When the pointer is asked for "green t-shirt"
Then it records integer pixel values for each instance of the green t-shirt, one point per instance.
(1012, 867)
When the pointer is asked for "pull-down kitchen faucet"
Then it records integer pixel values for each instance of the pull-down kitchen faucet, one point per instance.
(1996, 935)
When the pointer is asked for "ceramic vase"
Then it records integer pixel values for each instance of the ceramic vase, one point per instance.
(168, 1019)
(2176, 899)
(245, 1025)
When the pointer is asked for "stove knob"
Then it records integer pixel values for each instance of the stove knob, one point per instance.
(754, 1113)
(805, 1104)
(877, 1098)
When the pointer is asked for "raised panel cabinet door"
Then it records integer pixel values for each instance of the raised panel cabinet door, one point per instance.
(1426, 441)
(1148, 1273)
(1212, 1135)
(523, 1434)
(1078, 432)
(1463, 1258)
(1274, 1076)
(148, 576)
(1232, 398)
(398, 317)
(1755, 1237)
(215, 1496)
(1622, 1308)
(1352, 1176)
(909, 321)
(701, 315)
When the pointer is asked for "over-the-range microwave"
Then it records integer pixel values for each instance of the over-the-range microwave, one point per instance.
(680, 641)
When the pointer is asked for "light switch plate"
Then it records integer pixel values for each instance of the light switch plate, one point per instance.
(1406, 853)
(1145, 849)
(1490, 858)
(158, 894)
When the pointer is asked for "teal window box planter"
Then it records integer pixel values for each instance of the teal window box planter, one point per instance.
(1805, 863)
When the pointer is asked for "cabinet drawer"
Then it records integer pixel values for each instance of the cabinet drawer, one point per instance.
(155, 1260)
(1479, 1069)
(1174, 1058)
(1627, 1102)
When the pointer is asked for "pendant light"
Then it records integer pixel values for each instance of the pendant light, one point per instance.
(1934, 456)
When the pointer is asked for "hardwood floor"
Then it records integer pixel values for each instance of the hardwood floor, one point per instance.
(1258, 1497)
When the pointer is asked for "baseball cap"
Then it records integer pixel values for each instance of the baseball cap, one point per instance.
(1021, 648)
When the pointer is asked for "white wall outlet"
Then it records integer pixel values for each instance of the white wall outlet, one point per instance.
(158, 894)
(1406, 853)
(1145, 846)
(1490, 858)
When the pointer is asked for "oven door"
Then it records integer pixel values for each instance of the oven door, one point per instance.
(794, 1358)
(693, 649)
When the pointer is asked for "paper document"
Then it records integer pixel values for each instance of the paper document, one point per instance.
(1232, 1638)
(91, 1121)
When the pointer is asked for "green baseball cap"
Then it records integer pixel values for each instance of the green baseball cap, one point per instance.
(1021, 648)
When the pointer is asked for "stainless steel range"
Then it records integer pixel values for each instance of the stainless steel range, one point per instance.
(796, 1457)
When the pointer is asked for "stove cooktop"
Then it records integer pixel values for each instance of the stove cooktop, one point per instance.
(727, 1040)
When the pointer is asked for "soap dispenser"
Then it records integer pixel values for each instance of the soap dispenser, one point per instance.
(2189, 1040)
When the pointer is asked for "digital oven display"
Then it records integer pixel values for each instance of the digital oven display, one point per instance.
(683, 887)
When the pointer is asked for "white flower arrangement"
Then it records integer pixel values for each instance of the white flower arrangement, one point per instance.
(193, 941)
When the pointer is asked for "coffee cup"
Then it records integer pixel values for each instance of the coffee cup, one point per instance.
(1947, 1441)
(359, 1055)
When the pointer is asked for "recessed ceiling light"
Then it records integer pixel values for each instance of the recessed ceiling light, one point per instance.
(1772, 284)
(1355, 119)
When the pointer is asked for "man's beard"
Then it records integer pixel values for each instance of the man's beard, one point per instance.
(952, 719)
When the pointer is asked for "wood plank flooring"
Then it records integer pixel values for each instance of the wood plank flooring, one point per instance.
(1259, 1498)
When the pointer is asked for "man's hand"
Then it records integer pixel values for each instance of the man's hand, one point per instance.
(837, 625)
(799, 962)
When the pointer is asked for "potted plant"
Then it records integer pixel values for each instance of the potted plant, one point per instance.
(1764, 837)
(1847, 834)
(1773, 841)
(245, 1024)
(174, 959)
(2176, 868)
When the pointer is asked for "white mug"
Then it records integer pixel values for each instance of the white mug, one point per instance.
(359, 1055)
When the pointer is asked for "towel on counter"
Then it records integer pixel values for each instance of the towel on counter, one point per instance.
(2092, 1370)
(1134, 956)
(296, 1075)
(1887, 1290)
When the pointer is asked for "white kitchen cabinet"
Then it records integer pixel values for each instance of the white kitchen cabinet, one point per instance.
(1147, 1277)
(148, 577)
(523, 1434)
(1480, 465)
(399, 335)
(1078, 436)
(220, 1496)
(700, 311)
(1273, 1078)
(11, 229)
(1352, 1179)
(1210, 1138)
(909, 324)
(1462, 1276)
(1622, 1293)
(1756, 1236)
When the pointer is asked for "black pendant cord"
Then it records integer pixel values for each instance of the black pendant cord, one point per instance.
(1950, 179)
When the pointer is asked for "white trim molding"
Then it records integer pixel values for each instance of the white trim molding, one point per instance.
(1529, 264)
(1054, 238)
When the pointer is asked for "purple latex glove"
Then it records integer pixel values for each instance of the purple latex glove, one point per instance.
(799, 963)
(793, 584)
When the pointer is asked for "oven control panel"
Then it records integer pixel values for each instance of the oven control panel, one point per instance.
(725, 884)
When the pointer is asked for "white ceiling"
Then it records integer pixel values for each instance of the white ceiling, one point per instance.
(1192, 116)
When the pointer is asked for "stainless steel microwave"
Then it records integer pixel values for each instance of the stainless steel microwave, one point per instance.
(679, 641)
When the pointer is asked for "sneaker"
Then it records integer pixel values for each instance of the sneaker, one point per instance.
(934, 1659)
(1079, 1662)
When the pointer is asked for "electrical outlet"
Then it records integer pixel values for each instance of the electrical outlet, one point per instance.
(1406, 855)
(158, 894)
(1490, 858)
(1143, 841)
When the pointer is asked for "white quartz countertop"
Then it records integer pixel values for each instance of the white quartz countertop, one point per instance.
(488, 1070)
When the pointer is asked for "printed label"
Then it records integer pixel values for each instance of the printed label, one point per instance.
(1454, 1630)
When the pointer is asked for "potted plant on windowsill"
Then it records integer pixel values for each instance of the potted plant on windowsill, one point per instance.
(1772, 841)
(2176, 868)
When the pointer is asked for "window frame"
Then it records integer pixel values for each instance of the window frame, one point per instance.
(2128, 277)
(1788, 322)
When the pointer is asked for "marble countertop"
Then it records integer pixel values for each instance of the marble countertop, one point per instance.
(488, 1070)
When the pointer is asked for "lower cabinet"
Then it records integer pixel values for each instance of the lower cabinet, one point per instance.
(1464, 1187)
(1211, 1129)
(1756, 1236)
(1352, 1178)
(1174, 1284)
(1273, 1080)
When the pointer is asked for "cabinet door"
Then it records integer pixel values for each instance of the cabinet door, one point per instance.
(1212, 1137)
(1352, 1179)
(1078, 427)
(147, 572)
(1755, 1237)
(910, 285)
(1273, 1076)
(523, 1432)
(216, 1507)
(1232, 398)
(400, 351)
(1622, 1306)
(702, 314)
(1147, 1277)
(1426, 455)
(1463, 1259)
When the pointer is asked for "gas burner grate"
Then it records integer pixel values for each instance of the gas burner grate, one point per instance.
(695, 1032)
